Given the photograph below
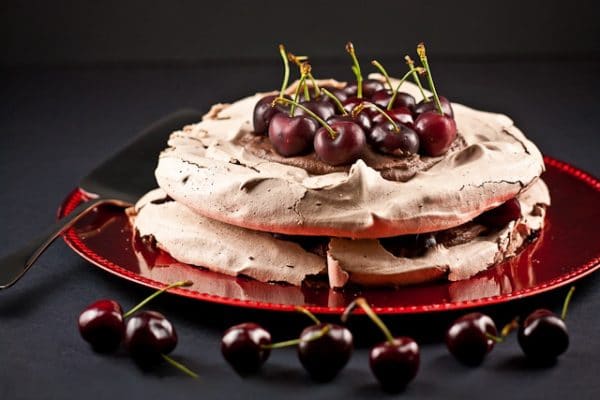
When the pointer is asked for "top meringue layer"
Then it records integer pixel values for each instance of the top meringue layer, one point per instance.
(205, 170)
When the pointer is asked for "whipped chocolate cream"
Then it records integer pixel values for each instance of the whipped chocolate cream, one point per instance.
(393, 168)
(207, 170)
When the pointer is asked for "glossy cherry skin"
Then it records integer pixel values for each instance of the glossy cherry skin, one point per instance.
(324, 358)
(382, 99)
(500, 216)
(543, 336)
(148, 334)
(101, 324)
(369, 87)
(323, 108)
(264, 112)
(467, 339)
(361, 119)
(337, 92)
(395, 364)
(345, 148)
(242, 347)
(386, 139)
(436, 133)
(350, 103)
(292, 136)
(427, 106)
(399, 114)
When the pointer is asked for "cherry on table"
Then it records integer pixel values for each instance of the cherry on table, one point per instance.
(324, 357)
(394, 362)
(468, 338)
(244, 347)
(396, 140)
(102, 325)
(291, 136)
(342, 144)
(543, 336)
(148, 335)
(436, 132)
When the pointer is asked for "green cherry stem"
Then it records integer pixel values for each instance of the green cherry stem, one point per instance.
(179, 366)
(368, 104)
(152, 296)
(305, 69)
(310, 315)
(506, 330)
(355, 68)
(565, 306)
(296, 95)
(423, 56)
(286, 70)
(337, 101)
(411, 65)
(295, 342)
(362, 303)
(310, 113)
(404, 78)
(299, 60)
(383, 72)
(316, 88)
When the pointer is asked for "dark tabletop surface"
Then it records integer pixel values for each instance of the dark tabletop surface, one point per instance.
(56, 124)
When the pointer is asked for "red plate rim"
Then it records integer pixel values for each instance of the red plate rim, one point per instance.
(74, 242)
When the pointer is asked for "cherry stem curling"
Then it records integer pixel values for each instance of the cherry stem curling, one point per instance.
(565, 307)
(362, 303)
(355, 69)
(404, 78)
(337, 101)
(286, 70)
(411, 65)
(310, 113)
(179, 366)
(157, 293)
(423, 56)
(365, 104)
(295, 342)
(383, 72)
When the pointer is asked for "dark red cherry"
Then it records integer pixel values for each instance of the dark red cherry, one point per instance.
(500, 216)
(361, 119)
(322, 107)
(436, 132)
(149, 334)
(350, 103)
(386, 139)
(543, 336)
(467, 338)
(382, 99)
(324, 358)
(369, 87)
(101, 324)
(345, 148)
(243, 347)
(399, 114)
(396, 363)
(340, 93)
(263, 113)
(291, 136)
(429, 105)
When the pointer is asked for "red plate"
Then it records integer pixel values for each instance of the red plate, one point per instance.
(567, 249)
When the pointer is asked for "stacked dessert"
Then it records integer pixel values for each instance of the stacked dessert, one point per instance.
(378, 182)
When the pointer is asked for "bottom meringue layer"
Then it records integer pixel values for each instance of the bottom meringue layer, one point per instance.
(232, 250)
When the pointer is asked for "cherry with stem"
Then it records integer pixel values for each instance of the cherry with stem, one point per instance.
(395, 361)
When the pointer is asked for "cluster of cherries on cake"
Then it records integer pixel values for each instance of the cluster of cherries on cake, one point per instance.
(325, 348)
(338, 122)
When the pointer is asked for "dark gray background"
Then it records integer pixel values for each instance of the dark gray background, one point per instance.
(79, 79)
